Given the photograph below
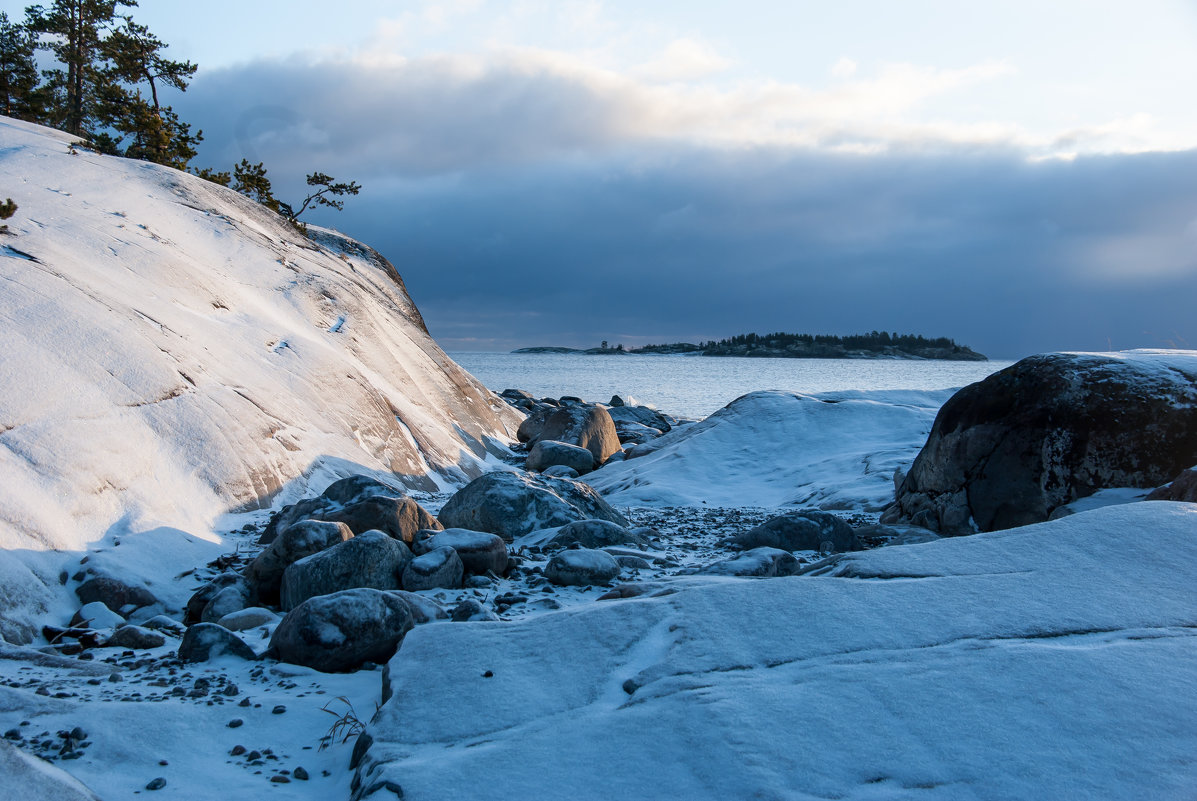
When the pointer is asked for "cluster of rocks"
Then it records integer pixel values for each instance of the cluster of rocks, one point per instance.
(569, 437)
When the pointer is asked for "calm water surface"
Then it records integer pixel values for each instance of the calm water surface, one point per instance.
(695, 386)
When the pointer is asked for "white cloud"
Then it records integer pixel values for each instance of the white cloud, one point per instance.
(844, 68)
(683, 60)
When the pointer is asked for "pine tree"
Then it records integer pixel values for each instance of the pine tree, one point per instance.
(136, 57)
(19, 94)
(251, 181)
(327, 189)
(84, 88)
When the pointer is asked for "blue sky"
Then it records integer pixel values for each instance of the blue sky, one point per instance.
(1021, 176)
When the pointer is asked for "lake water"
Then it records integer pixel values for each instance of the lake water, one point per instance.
(696, 386)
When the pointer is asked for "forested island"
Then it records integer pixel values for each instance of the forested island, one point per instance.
(874, 345)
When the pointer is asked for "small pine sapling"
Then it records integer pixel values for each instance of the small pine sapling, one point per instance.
(7, 210)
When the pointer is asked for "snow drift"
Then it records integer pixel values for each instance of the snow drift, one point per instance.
(172, 350)
(835, 450)
(1052, 661)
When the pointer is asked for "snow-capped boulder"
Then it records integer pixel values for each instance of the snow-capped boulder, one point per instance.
(640, 415)
(1181, 488)
(560, 471)
(548, 453)
(634, 433)
(472, 611)
(400, 518)
(119, 596)
(511, 504)
(1049, 430)
(581, 567)
(589, 427)
(595, 534)
(761, 562)
(207, 641)
(480, 551)
(803, 530)
(352, 489)
(371, 559)
(338, 632)
(440, 568)
(96, 615)
(307, 537)
(135, 638)
(174, 350)
(423, 609)
(226, 601)
(1052, 661)
(835, 450)
(194, 610)
(245, 619)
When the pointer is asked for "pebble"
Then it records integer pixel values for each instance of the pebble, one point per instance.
(301, 774)
(236, 723)
(280, 779)
(278, 710)
(156, 784)
(238, 750)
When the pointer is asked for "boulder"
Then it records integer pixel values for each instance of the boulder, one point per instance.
(472, 611)
(400, 518)
(1008, 450)
(232, 598)
(118, 596)
(339, 632)
(251, 618)
(561, 471)
(516, 395)
(532, 425)
(512, 504)
(1182, 488)
(634, 433)
(641, 415)
(135, 638)
(297, 541)
(203, 596)
(480, 551)
(423, 609)
(757, 562)
(206, 641)
(547, 453)
(594, 534)
(804, 530)
(440, 568)
(589, 427)
(581, 567)
(96, 615)
(357, 488)
(371, 559)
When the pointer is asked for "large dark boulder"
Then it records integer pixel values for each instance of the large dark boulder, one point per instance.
(307, 537)
(205, 641)
(581, 567)
(339, 632)
(480, 552)
(440, 568)
(338, 495)
(1050, 430)
(371, 559)
(513, 504)
(547, 453)
(117, 595)
(589, 427)
(804, 530)
(595, 534)
(641, 415)
(400, 518)
(357, 488)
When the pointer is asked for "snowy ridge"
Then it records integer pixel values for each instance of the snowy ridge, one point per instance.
(172, 350)
(1052, 661)
(835, 450)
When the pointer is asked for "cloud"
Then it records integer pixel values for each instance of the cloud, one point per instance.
(531, 197)
(683, 60)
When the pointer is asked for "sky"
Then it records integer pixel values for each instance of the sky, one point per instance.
(1019, 176)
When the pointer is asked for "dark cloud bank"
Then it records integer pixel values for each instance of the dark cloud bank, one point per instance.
(525, 207)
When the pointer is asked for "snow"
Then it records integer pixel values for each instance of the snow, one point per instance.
(1052, 661)
(174, 351)
(835, 450)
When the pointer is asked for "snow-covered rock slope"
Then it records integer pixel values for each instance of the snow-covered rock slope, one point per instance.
(1052, 661)
(835, 450)
(170, 350)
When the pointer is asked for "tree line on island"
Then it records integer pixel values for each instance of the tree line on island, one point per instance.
(103, 82)
(875, 344)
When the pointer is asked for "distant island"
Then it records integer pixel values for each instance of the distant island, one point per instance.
(874, 345)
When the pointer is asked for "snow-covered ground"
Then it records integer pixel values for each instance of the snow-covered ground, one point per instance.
(1054, 661)
(835, 450)
(172, 351)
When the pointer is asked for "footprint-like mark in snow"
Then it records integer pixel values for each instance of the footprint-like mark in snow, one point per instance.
(336, 327)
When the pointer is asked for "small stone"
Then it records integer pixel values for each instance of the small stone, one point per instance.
(278, 710)
(115, 677)
(280, 779)
(238, 750)
(236, 723)
(490, 674)
(12, 734)
(630, 686)
(163, 762)
(156, 784)
(301, 774)
(244, 702)
(252, 755)
(230, 689)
